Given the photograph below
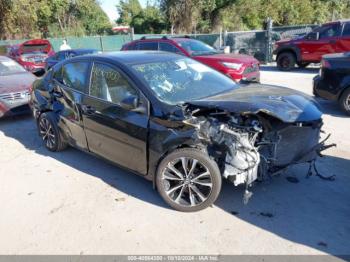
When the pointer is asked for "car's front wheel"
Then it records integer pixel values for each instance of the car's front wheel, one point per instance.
(49, 132)
(188, 180)
(286, 61)
(344, 101)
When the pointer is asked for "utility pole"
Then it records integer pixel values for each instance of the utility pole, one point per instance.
(269, 23)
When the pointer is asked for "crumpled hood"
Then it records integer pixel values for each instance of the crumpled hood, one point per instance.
(16, 82)
(283, 103)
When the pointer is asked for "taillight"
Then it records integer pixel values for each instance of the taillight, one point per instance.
(325, 64)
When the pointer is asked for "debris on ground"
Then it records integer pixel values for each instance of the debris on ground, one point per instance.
(120, 199)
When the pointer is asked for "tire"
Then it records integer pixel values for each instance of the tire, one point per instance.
(286, 61)
(303, 65)
(199, 186)
(344, 101)
(49, 132)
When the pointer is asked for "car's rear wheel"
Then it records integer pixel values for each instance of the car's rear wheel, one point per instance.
(49, 132)
(344, 101)
(188, 180)
(286, 61)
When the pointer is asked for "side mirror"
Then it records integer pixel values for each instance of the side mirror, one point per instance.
(313, 36)
(129, 103)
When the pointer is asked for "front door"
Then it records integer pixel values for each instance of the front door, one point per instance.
(344, 41)
(70, 85)
(312, 50)
(114, 132)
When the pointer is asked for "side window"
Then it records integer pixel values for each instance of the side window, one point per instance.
(61, 56)
(110, 85)
(131, 47)
(70, 54)
(169, 48)
(147, 46)
(74, 75)
(330, 31)
(57, 74)
(346, 31)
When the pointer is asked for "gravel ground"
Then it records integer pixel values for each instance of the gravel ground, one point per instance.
(74, 203)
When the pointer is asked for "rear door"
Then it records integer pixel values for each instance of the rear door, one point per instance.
(344, 41)
(70, 85)
(113, 132)
(313, 50)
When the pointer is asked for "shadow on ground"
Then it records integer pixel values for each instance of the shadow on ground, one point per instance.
(307, 211)
(307, 70)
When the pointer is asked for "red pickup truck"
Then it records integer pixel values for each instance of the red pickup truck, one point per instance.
(332, 37)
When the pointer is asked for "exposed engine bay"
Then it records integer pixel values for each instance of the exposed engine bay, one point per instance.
(250, 147)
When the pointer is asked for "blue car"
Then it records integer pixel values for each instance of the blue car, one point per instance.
(66, 54)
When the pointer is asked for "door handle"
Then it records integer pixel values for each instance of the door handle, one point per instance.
(332, 41)
(88, 109)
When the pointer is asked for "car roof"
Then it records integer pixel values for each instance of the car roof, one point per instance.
(174, 39)
(134, 57)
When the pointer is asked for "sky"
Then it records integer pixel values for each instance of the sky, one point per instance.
(109, 7)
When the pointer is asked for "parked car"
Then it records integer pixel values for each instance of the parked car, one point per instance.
(15, 83)
(333, 81)
(66, 54)
(32, 54)
(236, 66)
(333, 37)
(175, 121)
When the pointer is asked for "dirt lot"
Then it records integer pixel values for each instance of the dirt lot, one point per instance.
(73, 203)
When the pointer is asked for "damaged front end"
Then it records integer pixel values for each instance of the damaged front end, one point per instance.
(250, 147)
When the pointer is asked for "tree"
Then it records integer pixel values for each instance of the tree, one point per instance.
(33, 18)
(144, 20)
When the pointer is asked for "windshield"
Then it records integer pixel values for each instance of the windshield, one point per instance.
(10, 67)
(182, 80)
(40, 48)
(195, 47)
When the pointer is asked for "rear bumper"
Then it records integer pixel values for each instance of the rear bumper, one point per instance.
(321, 89)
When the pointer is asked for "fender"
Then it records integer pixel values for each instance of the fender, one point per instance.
(289, 48)
(345, 84)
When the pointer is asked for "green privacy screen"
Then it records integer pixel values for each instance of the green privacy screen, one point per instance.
(255, 43)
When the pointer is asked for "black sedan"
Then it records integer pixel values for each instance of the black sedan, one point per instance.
(333, 82)
(66, 54)
(175, 121)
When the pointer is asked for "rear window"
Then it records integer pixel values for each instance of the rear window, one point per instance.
(34, 48)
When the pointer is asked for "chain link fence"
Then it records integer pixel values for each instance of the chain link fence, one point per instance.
(257, 43)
